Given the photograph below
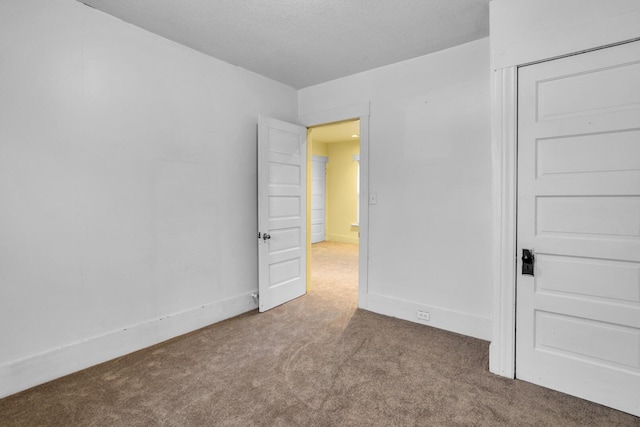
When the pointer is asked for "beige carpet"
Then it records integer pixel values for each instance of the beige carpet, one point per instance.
(314, 361)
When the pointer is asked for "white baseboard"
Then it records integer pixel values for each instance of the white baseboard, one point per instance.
(37, 369)
(442, 318)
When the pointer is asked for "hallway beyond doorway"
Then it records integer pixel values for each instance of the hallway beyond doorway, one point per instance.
(334, 271)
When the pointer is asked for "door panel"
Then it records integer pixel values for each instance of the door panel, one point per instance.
(578, 317)
(564, 95)
(577, 276)
(281, 212)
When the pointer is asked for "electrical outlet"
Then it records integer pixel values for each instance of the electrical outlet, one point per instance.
(424, 315)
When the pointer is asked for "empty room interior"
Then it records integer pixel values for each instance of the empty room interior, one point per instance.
(445, 195)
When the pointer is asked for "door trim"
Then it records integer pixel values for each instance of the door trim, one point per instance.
(502, 356)
(360, 112)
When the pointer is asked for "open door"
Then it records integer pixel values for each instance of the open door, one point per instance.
(282, 213)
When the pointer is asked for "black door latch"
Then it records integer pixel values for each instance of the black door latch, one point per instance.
(527, 262)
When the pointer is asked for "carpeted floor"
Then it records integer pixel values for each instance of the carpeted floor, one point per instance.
(316, 361)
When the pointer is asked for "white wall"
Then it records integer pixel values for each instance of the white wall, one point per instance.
(127, 188)
(524, 31)
(430, 165)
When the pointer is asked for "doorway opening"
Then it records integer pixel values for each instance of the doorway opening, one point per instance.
(333, 207)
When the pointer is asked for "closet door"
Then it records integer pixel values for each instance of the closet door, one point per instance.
(578, 306)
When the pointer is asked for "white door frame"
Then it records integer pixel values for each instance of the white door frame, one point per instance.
(502, 350)
(504, 113)
(353, 112)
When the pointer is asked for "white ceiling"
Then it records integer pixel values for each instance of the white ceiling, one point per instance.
(306, 42)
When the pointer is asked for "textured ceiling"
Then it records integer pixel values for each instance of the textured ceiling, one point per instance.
(306, 42)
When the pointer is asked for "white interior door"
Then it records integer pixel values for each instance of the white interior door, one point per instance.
(318, 198)
(282, 212)
(578, 318)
